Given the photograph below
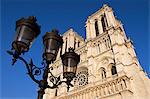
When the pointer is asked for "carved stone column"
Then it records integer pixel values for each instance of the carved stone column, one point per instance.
(100, 27)
(71, 39)
(99, 92)
(110, 15)
(88, 32)
(86, 94)
(64, 45)
(92, 29)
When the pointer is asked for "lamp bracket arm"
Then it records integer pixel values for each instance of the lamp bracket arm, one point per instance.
(31, 68)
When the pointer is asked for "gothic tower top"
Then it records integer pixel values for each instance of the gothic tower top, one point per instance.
(100, 21)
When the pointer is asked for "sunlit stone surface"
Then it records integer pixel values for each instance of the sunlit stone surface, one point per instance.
(105, 51)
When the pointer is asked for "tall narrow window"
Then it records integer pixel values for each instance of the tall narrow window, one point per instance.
(98, 48)
(66, 45)
(74, 43)
(96, 28)
(108, 41)
(106, 44)
(78, 43)
(104, 22)
(103, 73)
(113, 70)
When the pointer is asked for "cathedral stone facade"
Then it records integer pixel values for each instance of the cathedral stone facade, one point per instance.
(108, 68)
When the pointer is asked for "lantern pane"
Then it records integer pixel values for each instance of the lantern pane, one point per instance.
(24, 39)
(70, 60)
(69, 69)
(52, 41)
(26, 35)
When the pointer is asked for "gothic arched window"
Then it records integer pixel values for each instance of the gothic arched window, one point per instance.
(78, 43)
(104, 22)
(96, 28)
(113, 70)
(74, 43)
(66, 45)
(103, 73)
(99, 48)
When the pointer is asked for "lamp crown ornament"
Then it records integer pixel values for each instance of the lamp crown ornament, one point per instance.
(55, 31)
(71, 49)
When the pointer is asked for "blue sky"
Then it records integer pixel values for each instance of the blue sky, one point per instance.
(63, 14)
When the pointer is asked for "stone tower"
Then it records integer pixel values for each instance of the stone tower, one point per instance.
(108, 69)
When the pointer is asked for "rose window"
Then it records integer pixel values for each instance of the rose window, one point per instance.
(82, 78)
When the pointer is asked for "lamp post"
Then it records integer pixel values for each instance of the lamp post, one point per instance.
(26, 31)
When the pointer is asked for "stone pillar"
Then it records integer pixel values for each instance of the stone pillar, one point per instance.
(94, 93)
(77, 43)
(81, 96)
(88, 32)
(98, 48)
(107, 19)
(71, 39)
(102, 91)
(106, 90)
(64, 44)
(86, 95)
(99, 92)
(110, 17)
(74, 96)
(103, 46)
(77, 97)
(113, 87)
(92, 29)
(100, 27)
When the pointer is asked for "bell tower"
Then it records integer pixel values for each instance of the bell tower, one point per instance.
(99, 22)
(110, 54)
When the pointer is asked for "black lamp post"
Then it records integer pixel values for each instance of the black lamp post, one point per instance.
(27, 30)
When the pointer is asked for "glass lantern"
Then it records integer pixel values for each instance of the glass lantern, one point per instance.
(52, 42)
(70, 61)
(26, 31)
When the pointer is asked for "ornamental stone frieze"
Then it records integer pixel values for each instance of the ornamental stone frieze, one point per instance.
(110, 87)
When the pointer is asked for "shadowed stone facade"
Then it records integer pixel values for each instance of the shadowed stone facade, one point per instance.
(109, 67)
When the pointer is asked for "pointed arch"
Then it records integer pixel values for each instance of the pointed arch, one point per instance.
(102, 73)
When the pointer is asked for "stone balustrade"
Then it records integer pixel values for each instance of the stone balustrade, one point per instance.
(99, 89)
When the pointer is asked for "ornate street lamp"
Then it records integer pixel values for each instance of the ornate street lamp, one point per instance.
(27, 30)
(70, 61)
(52, 41)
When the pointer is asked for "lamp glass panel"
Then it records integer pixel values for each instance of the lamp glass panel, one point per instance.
(51, 49)
(25, 35)
(70, 65)
(24, 38)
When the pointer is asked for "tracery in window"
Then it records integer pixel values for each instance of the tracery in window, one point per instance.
(82, 78)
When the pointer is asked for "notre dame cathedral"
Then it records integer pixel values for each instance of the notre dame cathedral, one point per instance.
(108, 68)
